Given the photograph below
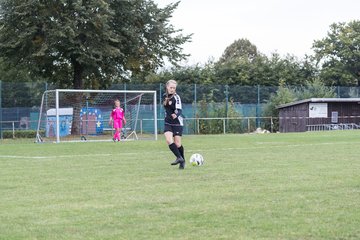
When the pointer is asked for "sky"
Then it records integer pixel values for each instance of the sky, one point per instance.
(282, 26)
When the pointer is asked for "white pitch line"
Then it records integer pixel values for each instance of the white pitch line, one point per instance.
(61, 156)
(24, 157)
(269, 147)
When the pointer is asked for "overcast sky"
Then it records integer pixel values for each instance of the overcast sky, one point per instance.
(283, 26)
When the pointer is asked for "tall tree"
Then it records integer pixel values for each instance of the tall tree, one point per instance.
(339, 54)
(239, 49)
(235, 66)
(75, 42)
(290, 70)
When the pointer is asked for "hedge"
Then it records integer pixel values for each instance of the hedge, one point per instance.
(22, 133)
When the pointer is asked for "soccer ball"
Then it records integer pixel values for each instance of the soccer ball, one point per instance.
(196, 159)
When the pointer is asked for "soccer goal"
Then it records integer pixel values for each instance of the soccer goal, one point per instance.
(83, 115)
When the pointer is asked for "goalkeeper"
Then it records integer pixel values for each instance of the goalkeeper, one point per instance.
(117, 118)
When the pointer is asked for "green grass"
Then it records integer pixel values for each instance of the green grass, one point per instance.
(276, 186)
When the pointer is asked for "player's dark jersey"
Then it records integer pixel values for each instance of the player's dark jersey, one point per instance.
(172, 104)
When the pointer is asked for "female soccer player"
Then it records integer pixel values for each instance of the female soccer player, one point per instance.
(117, 118)
(174, 123)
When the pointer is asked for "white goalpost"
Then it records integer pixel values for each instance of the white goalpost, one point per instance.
(83, 115)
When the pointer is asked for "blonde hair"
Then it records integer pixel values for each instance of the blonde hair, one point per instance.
(171, 81)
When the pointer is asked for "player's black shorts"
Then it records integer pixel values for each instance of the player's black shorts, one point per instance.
(176, 130)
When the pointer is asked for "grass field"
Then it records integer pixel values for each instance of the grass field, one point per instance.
(275, 186)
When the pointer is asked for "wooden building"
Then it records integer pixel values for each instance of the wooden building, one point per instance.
(319, 114)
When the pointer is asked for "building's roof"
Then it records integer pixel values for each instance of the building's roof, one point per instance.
(320, 100)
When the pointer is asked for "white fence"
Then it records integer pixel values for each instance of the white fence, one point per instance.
(191, 125)
(200, 126)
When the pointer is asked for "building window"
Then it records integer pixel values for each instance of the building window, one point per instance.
(334, 117)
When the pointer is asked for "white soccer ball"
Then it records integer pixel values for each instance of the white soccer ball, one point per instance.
(196, 159)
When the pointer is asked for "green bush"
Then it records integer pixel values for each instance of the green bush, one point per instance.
(209, 109)
(282, 96)
(22, 133)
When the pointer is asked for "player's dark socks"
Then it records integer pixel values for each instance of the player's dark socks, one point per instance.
(175, 150)
(181, 150)
(182, 164)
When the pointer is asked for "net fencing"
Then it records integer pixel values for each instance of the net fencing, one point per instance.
(83, 115)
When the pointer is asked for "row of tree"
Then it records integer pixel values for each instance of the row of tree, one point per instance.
(96, 43)
(336, 61)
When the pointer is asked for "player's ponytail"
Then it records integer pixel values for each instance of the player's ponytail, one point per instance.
(166, 99)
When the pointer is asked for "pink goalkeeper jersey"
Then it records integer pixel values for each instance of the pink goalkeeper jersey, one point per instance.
(117, 115)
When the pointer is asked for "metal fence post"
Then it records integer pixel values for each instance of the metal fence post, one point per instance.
(198, 126)
(141, 126)
(195, 106)
(13, 129)
(224, 125)
(160, 98)
(257, 107)
(227, 103)
(1, 133)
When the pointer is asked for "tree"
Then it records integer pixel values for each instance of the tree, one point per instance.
(339, 54)
(241, 63)
(314, 89)
(75, 43)
(239, 49)
(290, 70)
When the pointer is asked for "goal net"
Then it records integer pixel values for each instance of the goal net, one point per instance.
(83, 115)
